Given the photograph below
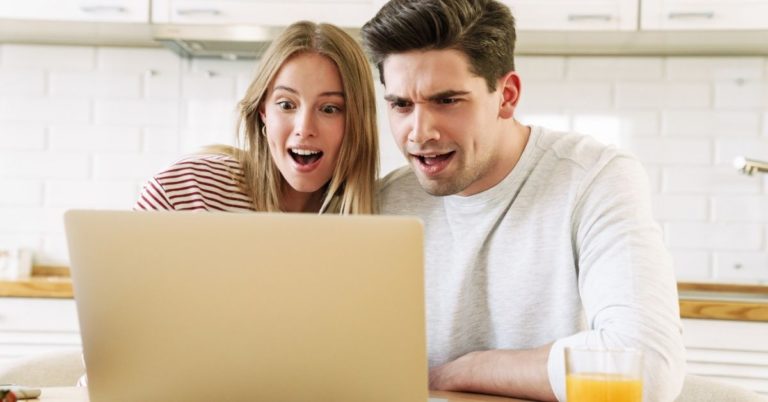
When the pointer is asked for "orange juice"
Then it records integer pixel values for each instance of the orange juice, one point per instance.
(595, 387)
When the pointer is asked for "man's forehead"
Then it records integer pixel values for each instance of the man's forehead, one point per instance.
(427, 72)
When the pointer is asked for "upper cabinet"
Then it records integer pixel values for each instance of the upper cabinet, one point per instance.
(569, 15)
(345, 13)
(136, 11)
(672, 15)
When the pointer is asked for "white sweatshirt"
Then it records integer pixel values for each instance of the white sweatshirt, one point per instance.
(564, 249)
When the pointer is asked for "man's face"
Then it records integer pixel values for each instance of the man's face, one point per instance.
(444, 120)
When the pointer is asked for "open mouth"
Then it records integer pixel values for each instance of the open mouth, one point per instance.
(433, 160)
(433, 164)
(305, 157)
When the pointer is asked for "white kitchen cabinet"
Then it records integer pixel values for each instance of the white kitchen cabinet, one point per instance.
(345, 13)
(29, 326)
(704, 15)
(136, 11)
(565, 15)
(728, 351)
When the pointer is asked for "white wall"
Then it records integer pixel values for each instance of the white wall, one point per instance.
(85, 126)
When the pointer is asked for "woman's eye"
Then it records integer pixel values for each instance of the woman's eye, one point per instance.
(286, 105)
(329, 109)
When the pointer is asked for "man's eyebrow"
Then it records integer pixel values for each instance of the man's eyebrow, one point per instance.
(394, 98)
(440, 95)
(447, 94)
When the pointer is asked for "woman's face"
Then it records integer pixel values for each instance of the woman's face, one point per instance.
(304, 117)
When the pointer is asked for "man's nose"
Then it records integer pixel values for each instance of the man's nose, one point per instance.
(423, 128)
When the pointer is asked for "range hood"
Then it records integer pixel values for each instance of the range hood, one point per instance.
(229, 42)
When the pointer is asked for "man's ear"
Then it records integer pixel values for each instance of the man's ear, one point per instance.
(509, 85)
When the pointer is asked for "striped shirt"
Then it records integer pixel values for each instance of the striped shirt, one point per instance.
(197, 183)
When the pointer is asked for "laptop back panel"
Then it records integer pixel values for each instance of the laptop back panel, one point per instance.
(270, 307)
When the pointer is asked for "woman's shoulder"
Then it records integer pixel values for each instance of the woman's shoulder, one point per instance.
(201, 181)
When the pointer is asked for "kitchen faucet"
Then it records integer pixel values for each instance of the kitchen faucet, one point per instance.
(750, 166)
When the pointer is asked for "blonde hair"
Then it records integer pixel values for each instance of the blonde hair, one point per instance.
(351, 188)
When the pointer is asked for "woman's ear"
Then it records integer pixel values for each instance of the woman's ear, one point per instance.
(261, 112)
(509, 85)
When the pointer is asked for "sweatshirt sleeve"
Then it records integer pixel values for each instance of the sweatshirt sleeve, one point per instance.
(626, 280)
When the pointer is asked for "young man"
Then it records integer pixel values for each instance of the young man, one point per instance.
(535, 240)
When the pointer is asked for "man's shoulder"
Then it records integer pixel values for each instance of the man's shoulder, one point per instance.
(583, 151)
(396, 179)
(399, 192)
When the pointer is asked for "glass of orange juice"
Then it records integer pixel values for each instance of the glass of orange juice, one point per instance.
(603, 375)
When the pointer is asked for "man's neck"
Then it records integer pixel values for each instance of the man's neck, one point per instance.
(514, 138)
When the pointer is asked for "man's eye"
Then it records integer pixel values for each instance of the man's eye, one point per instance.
(447, 101)
(286, 105)
(399, 105)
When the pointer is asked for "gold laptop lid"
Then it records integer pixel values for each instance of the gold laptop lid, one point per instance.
(180, 306)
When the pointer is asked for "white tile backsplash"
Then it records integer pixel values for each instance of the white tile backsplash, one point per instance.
(714, 235)
(663, 95)
(49, 57)
(730, 148)
(714, 68)
(84, 126)
(741, 266)
(44, 165)
(740, 208)
(680, 207)
(536, 68)
(113, 194)
(708, 180)
(22, 82)
(22, 136)
(102, 85)
(740, 95)
(692, 265)
(163, 113)
(708, 123)
(619, 69)
(44, 110)
(18, 193)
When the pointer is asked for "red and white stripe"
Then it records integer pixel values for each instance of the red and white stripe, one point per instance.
(197, 183)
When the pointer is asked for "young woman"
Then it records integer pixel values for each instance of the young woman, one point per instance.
(308, 140)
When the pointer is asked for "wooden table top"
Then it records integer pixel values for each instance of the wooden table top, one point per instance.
(80, 394)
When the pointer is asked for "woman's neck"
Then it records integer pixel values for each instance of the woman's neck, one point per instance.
(297, 201)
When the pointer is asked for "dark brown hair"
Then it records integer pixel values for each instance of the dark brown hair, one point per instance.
(484, 30)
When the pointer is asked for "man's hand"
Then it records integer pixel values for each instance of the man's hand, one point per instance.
(513, 373)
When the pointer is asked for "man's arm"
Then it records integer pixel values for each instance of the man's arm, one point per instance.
(628, 291)
(518, 373)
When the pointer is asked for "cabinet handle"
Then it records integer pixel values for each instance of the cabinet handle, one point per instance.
(197, 11)
(103, 9)
(589, 17)
(703, 15)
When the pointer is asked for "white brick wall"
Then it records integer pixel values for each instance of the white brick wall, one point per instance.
(83, 127)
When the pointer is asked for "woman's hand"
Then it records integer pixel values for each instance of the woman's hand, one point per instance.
(7, 396)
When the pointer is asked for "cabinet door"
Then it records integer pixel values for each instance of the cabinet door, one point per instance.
(729, 351)
(77, 10)
(704, 15)
(345, 13)
(562, 15)
(29, 326)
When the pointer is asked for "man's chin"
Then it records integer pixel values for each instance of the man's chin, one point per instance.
(437, 187)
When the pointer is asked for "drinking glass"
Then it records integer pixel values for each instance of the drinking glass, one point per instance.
(603, 375)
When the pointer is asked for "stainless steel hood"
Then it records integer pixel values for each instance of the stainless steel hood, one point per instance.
(220, 41)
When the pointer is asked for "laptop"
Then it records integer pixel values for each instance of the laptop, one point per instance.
(183, 306)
